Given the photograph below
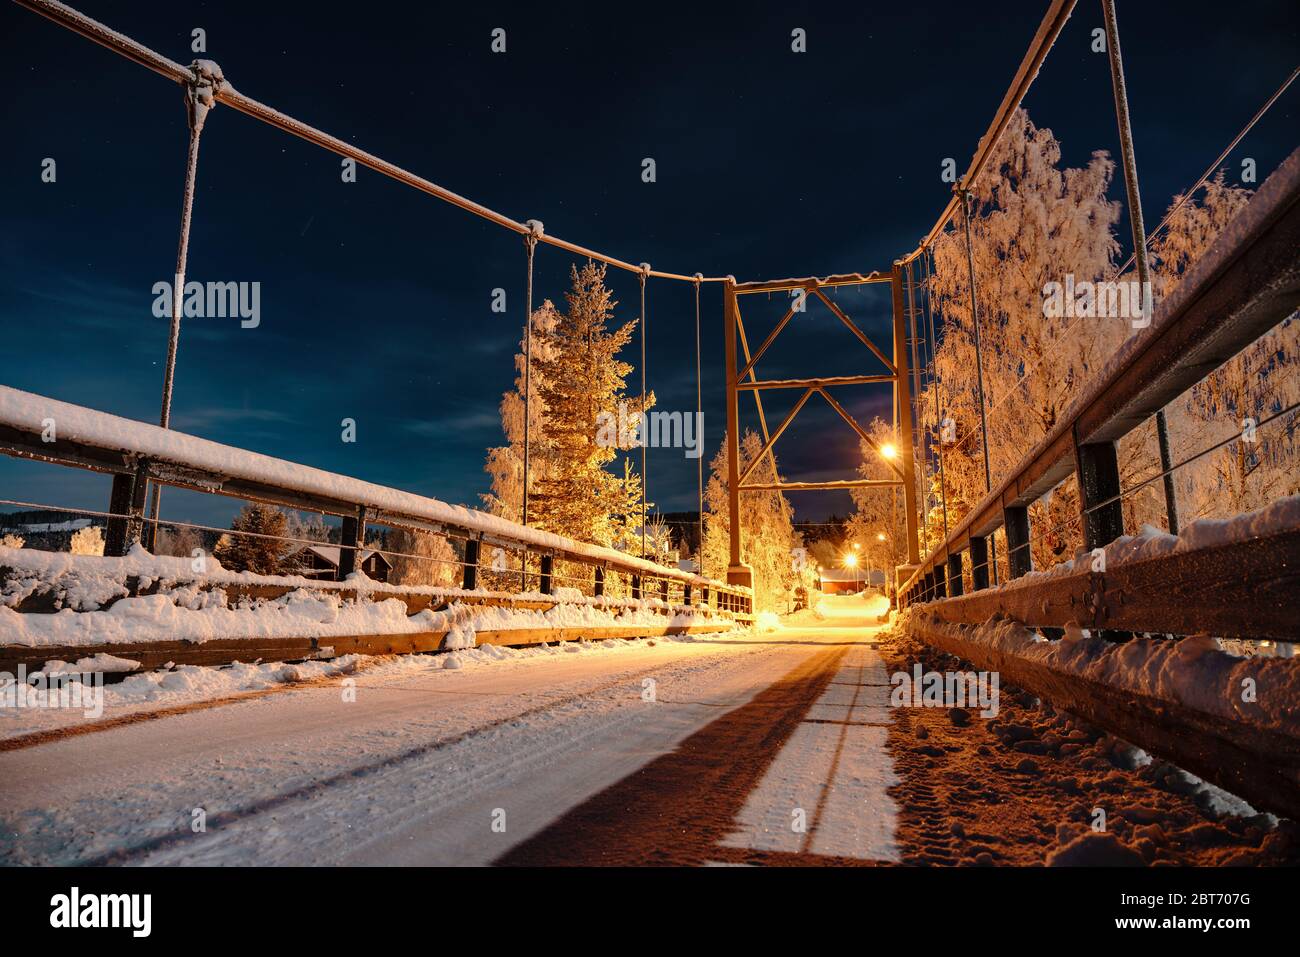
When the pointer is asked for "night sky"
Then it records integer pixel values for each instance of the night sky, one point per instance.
(376, 299)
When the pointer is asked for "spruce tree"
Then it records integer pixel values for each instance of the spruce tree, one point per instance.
(583, 382)
(254, 553)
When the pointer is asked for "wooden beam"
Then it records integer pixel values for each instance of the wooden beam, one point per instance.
(810, 282)
(762, 385)
(807, 486)
(1240, 590)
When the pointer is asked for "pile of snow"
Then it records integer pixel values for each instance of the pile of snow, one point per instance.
(767, 622)
(1151, 542)
(89, 582)
(189, 613)
(1192, 671)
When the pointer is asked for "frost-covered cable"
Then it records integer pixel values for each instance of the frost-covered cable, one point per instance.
(645, 418)
(699, 425)
(78, 22)
(927, 262)
(979, 364)
(535, 231)
(205, 80)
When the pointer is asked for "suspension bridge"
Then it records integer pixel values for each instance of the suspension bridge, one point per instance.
(1239, 582)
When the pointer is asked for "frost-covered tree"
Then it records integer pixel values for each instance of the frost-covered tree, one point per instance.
(658, 538)
(582, 381)
(253, 551)
(88, 541)
(309, 529)
(1033, 223)
(1260, 381)
(878, 511)
(434, 562)
(767, 536)
(10, 540)
(505, 464)
(177, 541)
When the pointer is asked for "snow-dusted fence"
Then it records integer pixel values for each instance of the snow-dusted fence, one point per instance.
(1244, 285)
(136, 453)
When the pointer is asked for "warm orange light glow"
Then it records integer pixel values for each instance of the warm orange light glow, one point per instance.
(851, 560)
(888, 451)
(856, 546)
(880, 536)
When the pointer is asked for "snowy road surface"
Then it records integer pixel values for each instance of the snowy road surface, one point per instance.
(757, 748)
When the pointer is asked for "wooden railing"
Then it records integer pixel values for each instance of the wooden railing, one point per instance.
(136, 453)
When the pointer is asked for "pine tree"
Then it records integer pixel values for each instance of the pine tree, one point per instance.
(254, 553)
(582, 381)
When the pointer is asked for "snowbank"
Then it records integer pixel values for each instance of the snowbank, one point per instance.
(1194, 672)
(1151, 542)
(186, 612)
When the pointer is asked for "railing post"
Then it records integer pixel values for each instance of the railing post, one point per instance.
(599, 588)
(954, 575)
(1097, 471)
(548, 564)
(470, 580)
(125, 499)
(636, 586)
(1102, 509)
(354, 534)
(1015, 519)
(979, 563)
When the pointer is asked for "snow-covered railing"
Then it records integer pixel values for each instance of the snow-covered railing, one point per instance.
(136, 453)
(1244, 285)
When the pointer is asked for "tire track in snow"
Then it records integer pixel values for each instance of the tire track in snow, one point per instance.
(678, 807)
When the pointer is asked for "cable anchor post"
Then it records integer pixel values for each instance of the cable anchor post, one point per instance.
(200, 97)
(201, 92)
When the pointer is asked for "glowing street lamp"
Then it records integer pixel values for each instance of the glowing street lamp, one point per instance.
(889, 451)
(851, 561)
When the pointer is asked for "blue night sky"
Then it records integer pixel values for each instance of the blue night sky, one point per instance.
(375, 300)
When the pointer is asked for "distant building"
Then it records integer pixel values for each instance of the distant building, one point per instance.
(322, 562)
(839, 580)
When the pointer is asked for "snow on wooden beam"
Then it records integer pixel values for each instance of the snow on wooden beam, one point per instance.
(1245, 588)
(1249, 749)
